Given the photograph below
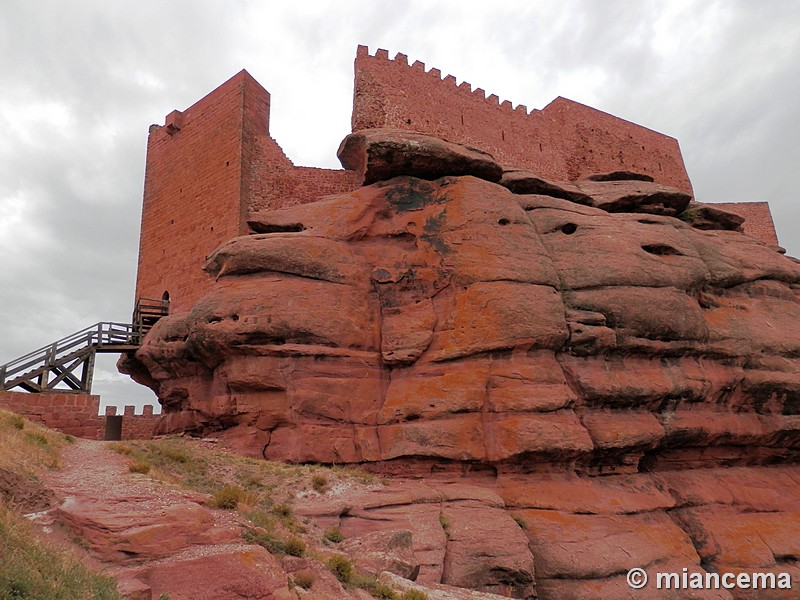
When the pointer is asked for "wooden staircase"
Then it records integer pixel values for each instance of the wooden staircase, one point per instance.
(68, 364)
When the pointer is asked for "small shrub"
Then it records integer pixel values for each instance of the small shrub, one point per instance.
(342, 568)
(70, 439)
(37, 437)
(414, 595)
(251, 480)
(267, 540)
(319, 483)
(139, 466)
(283, 510)
(164, 597)
(294, 547)
(262, 519)
(304, 579)
(174, 453)
(120, 448)
(17, 421)
(382, 591)
(334, 535)
(228, 496)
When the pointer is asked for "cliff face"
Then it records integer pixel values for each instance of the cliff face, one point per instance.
(624, 384)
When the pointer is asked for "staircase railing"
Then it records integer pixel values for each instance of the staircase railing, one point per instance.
(56, 364)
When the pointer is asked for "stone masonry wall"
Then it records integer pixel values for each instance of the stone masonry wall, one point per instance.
(73, 414)
(77, 414)
(211, 165)
(565, 140)
(136, 427)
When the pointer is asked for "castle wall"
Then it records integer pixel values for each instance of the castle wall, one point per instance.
(73, 414)
(564, 141)
(213, 163)
(136, 427)
(757, 219)
(77, 414)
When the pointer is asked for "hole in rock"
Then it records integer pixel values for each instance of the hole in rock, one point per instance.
(569, 228)
(661, 250)
(503, 222)
(234, 317)
(276, 228)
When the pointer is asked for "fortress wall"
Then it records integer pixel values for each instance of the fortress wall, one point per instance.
(565, 140)
(758, 221)
(77, 414)
(211, 164)
(136, 427)
(73, 414)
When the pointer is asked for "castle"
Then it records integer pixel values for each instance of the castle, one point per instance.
(211, 165)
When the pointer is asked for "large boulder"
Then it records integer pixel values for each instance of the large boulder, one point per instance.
(380, 154)
(583, 387)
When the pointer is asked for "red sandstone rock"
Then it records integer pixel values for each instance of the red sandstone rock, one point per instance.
(453, 330)
(385, 550)
(524, 182)
(119, 535)
(617, 195)
(239, 573)
(620, 176)
(380, 154)
(707, 216)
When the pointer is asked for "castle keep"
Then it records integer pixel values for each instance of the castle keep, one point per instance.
(211, 165)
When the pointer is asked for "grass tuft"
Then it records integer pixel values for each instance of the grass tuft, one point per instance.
(304, 579)
(228, 496)
(138, 466)
(342, 567)
(319, 483)
(29, 569)
(334, 535)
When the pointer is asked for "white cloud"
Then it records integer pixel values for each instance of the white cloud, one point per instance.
(83, 80)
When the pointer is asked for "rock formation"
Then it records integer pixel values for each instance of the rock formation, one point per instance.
(588, 382)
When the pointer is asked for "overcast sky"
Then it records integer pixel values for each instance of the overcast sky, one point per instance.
(81, 81)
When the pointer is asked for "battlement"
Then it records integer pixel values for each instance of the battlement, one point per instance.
(79, 415)
(464, 87)
(565, 140)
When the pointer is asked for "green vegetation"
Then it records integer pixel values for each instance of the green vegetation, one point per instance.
(319, 483)
(29, 568)
(334, 535)
(139, 467)
(228, 496)
(26, 447)
(413, 595)
(342, 567)
(32, 570)
(304, 579)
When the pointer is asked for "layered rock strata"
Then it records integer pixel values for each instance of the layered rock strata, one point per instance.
(625, 384)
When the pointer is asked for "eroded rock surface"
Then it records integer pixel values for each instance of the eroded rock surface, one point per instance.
(595, 384)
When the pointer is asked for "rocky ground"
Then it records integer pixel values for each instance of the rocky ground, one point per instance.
(162, 540)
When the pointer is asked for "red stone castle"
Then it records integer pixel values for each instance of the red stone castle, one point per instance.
(210, 166)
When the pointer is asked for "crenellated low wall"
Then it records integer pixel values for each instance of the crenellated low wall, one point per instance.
(78, 414)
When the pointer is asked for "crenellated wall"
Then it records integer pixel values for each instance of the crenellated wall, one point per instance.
(565, 140)
(78, 414)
